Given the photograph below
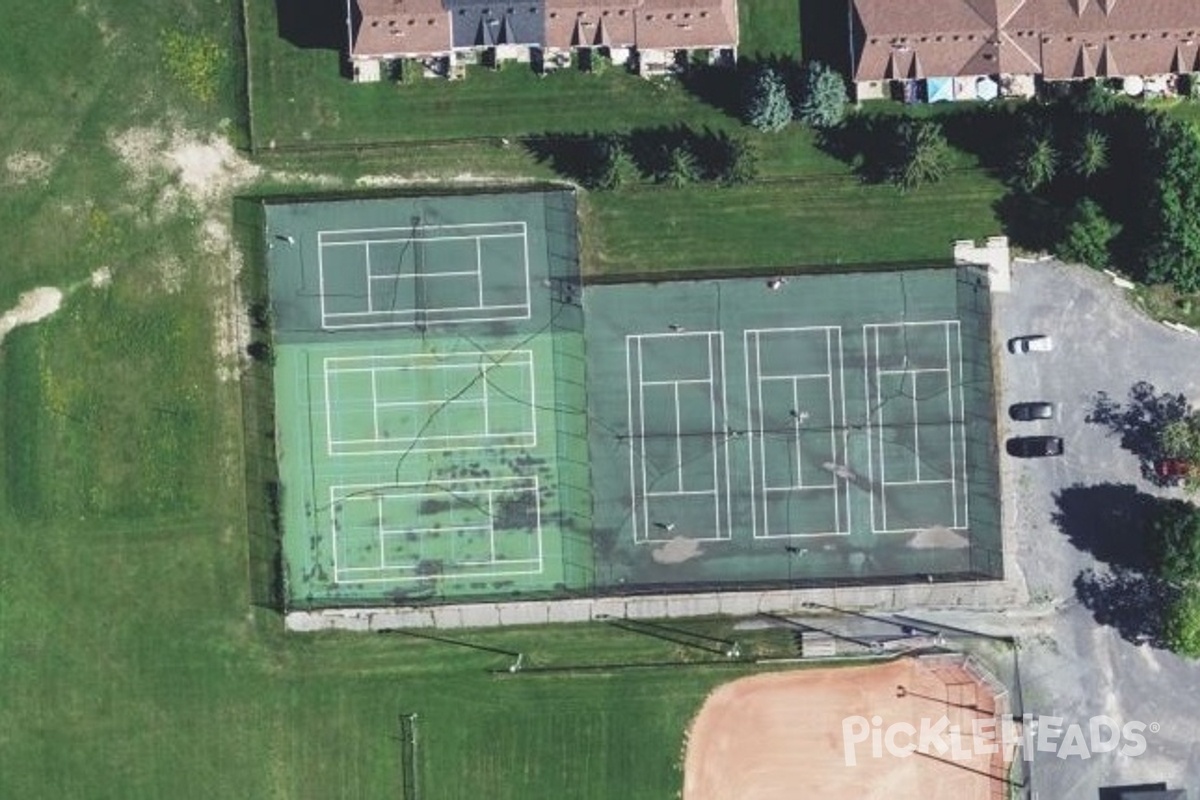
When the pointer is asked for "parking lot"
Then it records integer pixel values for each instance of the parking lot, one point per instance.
(1079, 512)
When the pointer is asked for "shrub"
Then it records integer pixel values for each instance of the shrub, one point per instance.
(823, 97)
(922, 154)
(1087, 235)
(767, 104)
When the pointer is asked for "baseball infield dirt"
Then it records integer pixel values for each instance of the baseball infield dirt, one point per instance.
(784, 735)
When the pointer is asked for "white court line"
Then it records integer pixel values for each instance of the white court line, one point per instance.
(372, 318)
(684, 381)
(916, 426)
(433, 311)
(962, 415)
(491, 514)
(866, 344)
(950, 410)
(712, 424)
(725, 441)
(367, 270)
(845, 423)
(804, 376)
(424, 276)
(678, 442)
(633, 439)
(458, 401)
(918, 371)
(762, 441)
(423, 239)
(446, 227)
(796, 434)
(483, 384)
(811, 486)
(476, 363)
(479, 269)
(683, 492)
(837, 515)
(879, 410)
(642, 412)
(379, 508)
(328, 412)
(341, 494)
(955, 521)
(321, 277)
(374, 405)
(750, 428)
(469, 360)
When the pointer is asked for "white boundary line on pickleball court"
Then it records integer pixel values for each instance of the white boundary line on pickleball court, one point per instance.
(401, 317)
(641, 521)
(339, 493)
(758, 467)
(482, 361)
(947, 325)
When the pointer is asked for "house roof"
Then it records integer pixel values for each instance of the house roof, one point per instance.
(400, 28)
(590, 23)
(1058, 39)
(678, 24)
(485, 23)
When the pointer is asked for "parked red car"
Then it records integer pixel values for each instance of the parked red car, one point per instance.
(1172, 468)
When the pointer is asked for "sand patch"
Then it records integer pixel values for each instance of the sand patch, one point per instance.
(676, 551)
(100, 278)
(938, 538)
(32, 306)
(27, 166)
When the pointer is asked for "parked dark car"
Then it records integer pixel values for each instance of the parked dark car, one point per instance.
(1033, 343)
(1035, 446)
(1027, 412)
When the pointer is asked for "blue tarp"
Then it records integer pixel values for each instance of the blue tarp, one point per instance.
(939, 89)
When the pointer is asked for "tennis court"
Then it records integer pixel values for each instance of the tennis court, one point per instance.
(823, 428)
(424, 441)
(459, 418)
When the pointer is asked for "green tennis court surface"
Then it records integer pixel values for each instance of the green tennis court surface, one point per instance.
(829, 428)
(430, 425)
(441, 433)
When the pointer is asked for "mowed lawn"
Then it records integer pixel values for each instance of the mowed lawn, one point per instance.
(818, 222)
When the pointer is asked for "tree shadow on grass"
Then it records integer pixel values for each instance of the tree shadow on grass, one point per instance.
(313, 24)
(571, 155)
(825, 33)
(1109, 521)
(1139, 422)
(868, 143)
(1132, 603)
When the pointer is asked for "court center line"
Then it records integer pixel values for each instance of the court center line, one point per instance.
(750, 428)
(678, 442)
(915, 425)
(725, 442)
(374, 406)
(762, 450)
(483, 384)
(879, 411)
(796, 432)
(866, 346)
(367, 268)
(379, 516)
(950, 411)
(479, 269)
(642, 420)
(837, 514)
